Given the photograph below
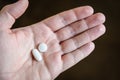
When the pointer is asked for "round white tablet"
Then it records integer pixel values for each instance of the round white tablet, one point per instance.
(42, 47)
(37, 55)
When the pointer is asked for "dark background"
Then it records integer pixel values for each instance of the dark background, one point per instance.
(103, 63)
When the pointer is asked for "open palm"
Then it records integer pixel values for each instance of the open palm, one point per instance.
(68, 36)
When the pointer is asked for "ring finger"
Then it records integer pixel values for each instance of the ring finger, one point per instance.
(82, 39)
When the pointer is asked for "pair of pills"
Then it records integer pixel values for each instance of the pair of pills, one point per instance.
(42, 48)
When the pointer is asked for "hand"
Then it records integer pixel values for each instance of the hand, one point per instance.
(69, 37)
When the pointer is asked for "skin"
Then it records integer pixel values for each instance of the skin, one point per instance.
(69, 37)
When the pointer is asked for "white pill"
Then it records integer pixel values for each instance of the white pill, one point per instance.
(42, 47)
(37, 55)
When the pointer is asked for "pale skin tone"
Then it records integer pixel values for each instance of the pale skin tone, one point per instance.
(69, 37)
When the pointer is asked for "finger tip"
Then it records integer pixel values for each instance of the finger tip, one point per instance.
(101, 17)
(102, 29)
(92, 46)
(89, 9)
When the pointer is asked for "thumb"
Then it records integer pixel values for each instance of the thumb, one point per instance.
(11, 12)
